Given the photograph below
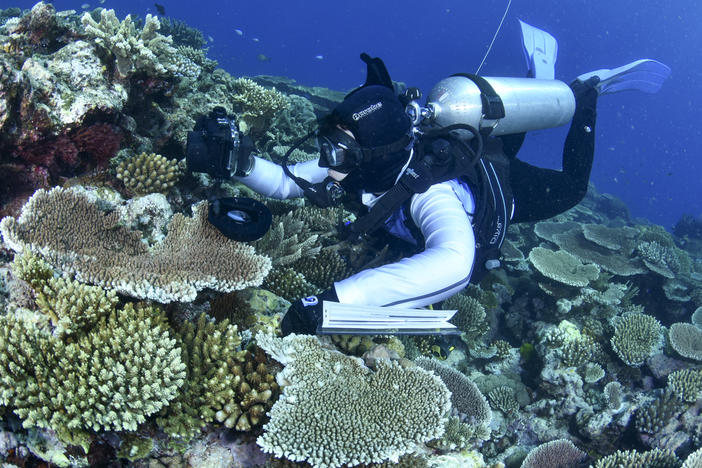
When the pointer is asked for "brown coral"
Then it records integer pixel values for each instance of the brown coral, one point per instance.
(73, 234)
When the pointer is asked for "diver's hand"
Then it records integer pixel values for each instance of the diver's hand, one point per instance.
(305, 315)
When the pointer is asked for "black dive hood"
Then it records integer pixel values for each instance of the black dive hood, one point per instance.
(383, 137)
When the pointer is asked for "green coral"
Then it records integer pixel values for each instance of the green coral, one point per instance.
(111, 378)
(133, 447)
(288, 240)
(686, 340)
(149, 173)
(221, 383)
(256, 106)
(655, 458)
(686, 384)
(289, 284)
(335, 411)
(134, 51)
(458, 435)
(636, 337)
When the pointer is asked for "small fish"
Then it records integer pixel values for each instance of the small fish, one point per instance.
(102, 1)
(263, 58)
(255, 39)
(319, 57)
(161, 9)
(239, 32)
(85, 6)
(210, 38)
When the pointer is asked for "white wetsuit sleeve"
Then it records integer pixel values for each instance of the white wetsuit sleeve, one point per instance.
(441, 270)
(269, 179)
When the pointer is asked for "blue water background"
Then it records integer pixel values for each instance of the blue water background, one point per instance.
(648, 146)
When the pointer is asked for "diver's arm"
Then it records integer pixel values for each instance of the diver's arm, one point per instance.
(438, 272)
(268, 178)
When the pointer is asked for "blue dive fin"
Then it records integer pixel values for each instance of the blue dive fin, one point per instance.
(540, 52)
(642, 75)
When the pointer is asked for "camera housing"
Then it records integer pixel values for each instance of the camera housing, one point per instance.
(214, 144)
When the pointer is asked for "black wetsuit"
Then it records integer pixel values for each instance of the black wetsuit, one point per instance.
(541, 193)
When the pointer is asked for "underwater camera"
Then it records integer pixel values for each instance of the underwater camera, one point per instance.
(214, 144)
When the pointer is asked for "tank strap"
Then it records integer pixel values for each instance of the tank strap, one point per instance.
(493, 108)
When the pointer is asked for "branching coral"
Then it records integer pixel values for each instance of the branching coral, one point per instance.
(149, 173)
(686, 384)
(256, 105)
(324, 269)
(223, 383)
(111, 378)
(470, 317)
(652, 417)
(287, 241)
(289, 284)
(335, 411)
(144, 50)
(74, 235)
(636, 337)
(655, 458)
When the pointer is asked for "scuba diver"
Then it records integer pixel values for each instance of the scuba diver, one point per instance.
(448, 183)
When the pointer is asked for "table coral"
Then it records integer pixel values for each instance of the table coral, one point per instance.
(686, 340)
(74, 235)
(563, 267)
(334, 411)
(560, 453)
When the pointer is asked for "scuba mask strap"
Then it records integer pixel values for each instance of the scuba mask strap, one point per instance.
(404, 143)
(323, 194)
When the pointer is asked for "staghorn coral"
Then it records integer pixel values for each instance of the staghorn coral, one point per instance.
(66, 228)
(335, 411)
(686, 384)
(134, 51)
(686, 340)
(560, 453)
(149, 173)
(288, 240)
(655, 415)
(636, 337)
(562, 267)
(111, 378)
(655, 458)
(223, 382)
(256, 105)
(466, 398)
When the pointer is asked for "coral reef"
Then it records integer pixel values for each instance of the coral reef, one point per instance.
(329, 421)
(75, 236)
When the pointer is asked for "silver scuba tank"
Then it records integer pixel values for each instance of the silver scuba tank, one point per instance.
(529, 104)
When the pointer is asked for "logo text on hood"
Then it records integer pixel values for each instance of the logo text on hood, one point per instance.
(367, 111)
